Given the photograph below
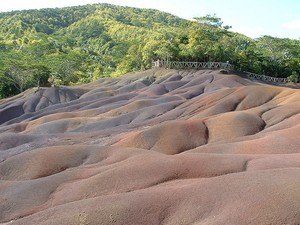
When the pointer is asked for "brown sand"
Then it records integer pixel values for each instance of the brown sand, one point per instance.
(156, 147)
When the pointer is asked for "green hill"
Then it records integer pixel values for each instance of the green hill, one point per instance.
(83, 43)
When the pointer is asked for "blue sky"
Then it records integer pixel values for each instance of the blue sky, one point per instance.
(279, 18)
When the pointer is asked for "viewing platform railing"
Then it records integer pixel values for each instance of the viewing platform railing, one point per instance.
(213, 66)
(266, 78)
(192, 65)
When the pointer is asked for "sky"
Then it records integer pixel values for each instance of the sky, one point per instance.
(254, 18)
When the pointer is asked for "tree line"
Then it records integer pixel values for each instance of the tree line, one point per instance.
(80, 44)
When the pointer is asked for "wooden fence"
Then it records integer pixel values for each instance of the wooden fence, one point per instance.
(266, 78)
(213, 66)
(192, 65)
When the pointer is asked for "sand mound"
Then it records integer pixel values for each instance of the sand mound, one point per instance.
(155, 147)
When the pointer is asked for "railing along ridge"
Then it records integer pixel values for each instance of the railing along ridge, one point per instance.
(214, 65)
(266, 78)
(192, 65)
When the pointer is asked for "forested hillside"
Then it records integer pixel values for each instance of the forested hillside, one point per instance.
(80, 44)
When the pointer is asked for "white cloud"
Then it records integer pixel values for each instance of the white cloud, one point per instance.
(294, 24)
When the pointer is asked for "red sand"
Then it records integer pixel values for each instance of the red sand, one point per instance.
(156, 147)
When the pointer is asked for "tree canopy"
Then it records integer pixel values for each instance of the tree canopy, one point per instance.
(83, 43)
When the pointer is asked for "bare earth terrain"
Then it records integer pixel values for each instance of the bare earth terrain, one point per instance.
(156, 147)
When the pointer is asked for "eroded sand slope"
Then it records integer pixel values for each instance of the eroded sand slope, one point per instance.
(157, 147)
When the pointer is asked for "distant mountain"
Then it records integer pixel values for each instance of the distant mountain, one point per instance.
(83, 43)
(51, 20)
